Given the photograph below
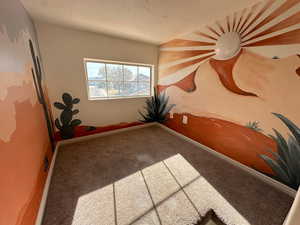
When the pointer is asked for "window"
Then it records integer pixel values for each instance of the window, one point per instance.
(109, 80)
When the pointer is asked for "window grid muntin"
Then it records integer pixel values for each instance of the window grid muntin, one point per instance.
(106, 81)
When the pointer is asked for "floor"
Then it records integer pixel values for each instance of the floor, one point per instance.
(144, 176)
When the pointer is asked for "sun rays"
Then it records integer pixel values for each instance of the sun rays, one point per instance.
(271, 22)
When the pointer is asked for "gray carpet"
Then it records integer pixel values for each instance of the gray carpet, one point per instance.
(85, 167)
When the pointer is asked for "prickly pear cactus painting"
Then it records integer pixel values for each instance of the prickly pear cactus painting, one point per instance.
(66, 124)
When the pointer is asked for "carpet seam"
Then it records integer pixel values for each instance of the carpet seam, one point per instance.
(181, 187)
(115, 204)
(154, 206)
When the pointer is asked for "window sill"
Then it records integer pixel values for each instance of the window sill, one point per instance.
(119, 98)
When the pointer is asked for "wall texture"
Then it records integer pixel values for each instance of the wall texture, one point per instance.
(24, 140)
(63, 51)
(235, 71)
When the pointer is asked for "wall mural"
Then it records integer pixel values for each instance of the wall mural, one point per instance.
(228, 78)
(25, 148)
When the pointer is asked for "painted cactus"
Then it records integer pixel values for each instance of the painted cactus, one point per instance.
(38, 83)
(66, 124)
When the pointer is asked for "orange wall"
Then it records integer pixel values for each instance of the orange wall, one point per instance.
(24, 140)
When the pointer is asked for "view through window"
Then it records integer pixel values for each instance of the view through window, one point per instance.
(117, 80)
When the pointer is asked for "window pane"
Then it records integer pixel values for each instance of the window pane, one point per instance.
(130, 73)
(114, 72)
(144, 88)
(97, 89)
(144, 73)
(95, 71)
(114, 88)
(113, 80)
(129, 89)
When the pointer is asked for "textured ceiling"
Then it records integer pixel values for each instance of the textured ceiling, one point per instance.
(154, 21)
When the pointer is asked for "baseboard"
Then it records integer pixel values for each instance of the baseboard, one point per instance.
(92, 136)
(282, 187)
(43, 202)
(293, 216)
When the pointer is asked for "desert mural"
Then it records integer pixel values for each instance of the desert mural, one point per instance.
(26, 126)
(229, 76)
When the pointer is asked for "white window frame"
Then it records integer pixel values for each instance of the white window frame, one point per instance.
(85, 60)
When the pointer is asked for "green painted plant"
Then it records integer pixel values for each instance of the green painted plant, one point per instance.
(66, 124)
(157, 108)
(286, 161)
(254, 126)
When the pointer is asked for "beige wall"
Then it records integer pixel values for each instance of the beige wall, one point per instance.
(63, 50)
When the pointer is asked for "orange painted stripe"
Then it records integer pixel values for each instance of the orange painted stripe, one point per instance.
(169, 56)
(290, 21)
(228, 23)
(205, 35)
(175, 68)
(240, 20)
(213, 31)
(233, 140)
(184, 43)
(234, 21)
(187, 83)
(258, 15)
(291, 37)
(251, 12)
(224, 69)
(220, 27)
(298, 69)
(280, 10)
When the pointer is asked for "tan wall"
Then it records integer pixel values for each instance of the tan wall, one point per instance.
(63, 50)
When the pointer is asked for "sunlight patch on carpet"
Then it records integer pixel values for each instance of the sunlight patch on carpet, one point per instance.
(170, 192)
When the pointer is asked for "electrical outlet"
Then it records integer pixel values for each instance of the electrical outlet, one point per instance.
(184, 119)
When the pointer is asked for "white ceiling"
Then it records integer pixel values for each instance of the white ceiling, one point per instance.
(154, 21)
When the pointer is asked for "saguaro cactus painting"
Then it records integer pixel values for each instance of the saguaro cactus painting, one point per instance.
(38, 83)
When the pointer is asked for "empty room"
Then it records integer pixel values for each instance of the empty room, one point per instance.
(148, 112)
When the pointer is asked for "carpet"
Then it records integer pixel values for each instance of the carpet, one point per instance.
(149, 176)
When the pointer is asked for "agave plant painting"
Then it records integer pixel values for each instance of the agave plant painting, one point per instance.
(157, 108)
(286, 161)
(254, 126)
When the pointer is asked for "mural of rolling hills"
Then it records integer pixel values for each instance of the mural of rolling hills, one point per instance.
(233, 72)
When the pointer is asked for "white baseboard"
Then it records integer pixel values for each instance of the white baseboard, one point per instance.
(284, 188)
(40, 215)
(293, 216)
